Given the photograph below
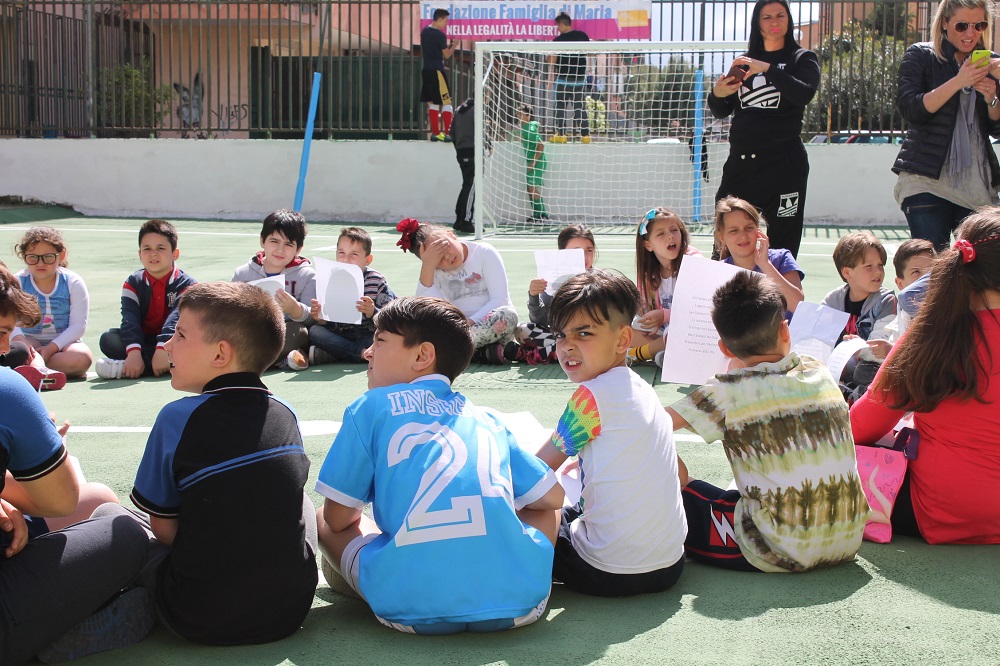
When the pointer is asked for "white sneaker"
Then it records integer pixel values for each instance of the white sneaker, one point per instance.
(108, 368)
(296, 360)
(658, 359)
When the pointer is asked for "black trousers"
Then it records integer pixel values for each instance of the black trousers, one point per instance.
(773, 179)
(466, 205)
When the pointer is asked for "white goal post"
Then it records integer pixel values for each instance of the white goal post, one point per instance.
(624, 128)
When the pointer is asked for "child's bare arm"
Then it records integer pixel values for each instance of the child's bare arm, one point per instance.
(339, 517)
(682, 471)
(551, 455)
(551, 500)
(164, 529)
(678, 420)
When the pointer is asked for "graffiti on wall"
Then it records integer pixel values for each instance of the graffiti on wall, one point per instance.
(189, 109)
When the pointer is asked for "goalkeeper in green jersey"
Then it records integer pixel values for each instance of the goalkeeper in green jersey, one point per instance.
(534, 154)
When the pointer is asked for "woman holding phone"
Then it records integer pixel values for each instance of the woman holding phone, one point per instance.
(766, 92)
(948, 95)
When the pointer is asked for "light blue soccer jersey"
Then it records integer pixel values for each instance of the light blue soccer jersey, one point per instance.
(444, 478)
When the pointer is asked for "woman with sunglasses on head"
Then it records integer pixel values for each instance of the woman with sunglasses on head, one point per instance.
(766, 92)
(948, 95)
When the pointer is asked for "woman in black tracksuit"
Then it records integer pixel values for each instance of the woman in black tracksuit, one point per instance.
(767, 163)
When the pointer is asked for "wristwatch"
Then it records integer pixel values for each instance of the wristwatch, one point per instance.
(993, 103)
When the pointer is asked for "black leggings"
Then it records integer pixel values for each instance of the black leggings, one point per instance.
(904, 521)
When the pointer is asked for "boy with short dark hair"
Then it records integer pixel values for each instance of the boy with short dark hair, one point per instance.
(413, 447)
(784, 425)
(282, 236)
(222, 479)
(912, 262)
(860, 261)
(626, 535)
(149, 308)
(334, 341)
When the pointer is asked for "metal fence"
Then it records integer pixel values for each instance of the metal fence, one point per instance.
(179, 68)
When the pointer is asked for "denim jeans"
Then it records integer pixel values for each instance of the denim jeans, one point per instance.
(346, 344)
(932, 218)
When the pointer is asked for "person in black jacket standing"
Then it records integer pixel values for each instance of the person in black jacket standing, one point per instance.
(767, 163)
(946, 165)
(463, 134)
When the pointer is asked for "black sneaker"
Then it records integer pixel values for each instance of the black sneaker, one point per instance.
(463, 227)
(491, 354)
(124, 621)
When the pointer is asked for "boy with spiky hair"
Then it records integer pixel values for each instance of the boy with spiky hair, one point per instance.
(784, 425)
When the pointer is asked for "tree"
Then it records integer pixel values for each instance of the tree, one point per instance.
(859, 67)
(891, 18)
(660, 95)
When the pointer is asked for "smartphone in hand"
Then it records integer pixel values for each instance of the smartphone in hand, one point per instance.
(738, 72)
(981, 57)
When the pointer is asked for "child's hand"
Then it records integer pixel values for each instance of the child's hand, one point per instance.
(316, 311)
(537, 286)
(134, 365)
(289, 305)
(760, 253)
(432, 253)
(12, 520)
(366, 306)
(47, 352)
(652, 320)
(63, 429)
(879, 348)
(161, 362)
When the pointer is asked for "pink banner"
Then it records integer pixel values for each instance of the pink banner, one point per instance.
(482, 21)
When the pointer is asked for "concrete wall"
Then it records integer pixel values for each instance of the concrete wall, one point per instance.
(363, 181)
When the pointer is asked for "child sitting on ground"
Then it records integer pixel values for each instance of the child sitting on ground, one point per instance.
(912, 261)
(626, 535)
(534, 342)
(799, 504)
(743, 242)
(149, 302)
(485, 564)
(222, 479)
(281, 239)
(332, 341)
(860, 261)
(468, 274)
(56, 342)
(661, 242)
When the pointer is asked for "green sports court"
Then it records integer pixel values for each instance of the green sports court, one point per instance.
(899, 603)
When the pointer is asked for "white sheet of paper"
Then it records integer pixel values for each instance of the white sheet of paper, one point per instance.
(270, 284)
(842, 354)
(692, 355)
(339, 287)
(557, 266)
(815, 329)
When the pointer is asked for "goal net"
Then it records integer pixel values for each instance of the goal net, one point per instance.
(615, 129)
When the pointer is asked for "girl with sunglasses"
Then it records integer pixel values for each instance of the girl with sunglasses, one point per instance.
(56, 342)
(946, 165)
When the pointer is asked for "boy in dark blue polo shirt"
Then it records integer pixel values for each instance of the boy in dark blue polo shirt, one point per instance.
(222, 479)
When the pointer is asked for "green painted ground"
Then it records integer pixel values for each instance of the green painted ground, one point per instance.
(903, 603)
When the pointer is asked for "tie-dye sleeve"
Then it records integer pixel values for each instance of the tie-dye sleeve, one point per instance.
(579, 424)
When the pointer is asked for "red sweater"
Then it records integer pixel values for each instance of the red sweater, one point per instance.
(955, 478)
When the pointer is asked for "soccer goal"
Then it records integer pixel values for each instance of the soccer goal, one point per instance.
(623, 128)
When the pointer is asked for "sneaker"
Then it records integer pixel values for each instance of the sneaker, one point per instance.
(42, 379)
(109, 368)
(491, 354)
(585, 139)
(125, 621)
(447, 138)
(319, 356)
(296, 361)
(464, 227)
(438, 137)
(337, 582)
(658, 359)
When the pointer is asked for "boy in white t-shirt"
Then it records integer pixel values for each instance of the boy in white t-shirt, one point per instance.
(464, 519)
(626, 536)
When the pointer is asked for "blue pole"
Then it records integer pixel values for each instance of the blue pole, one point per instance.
(300, 189)
(699, 138)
